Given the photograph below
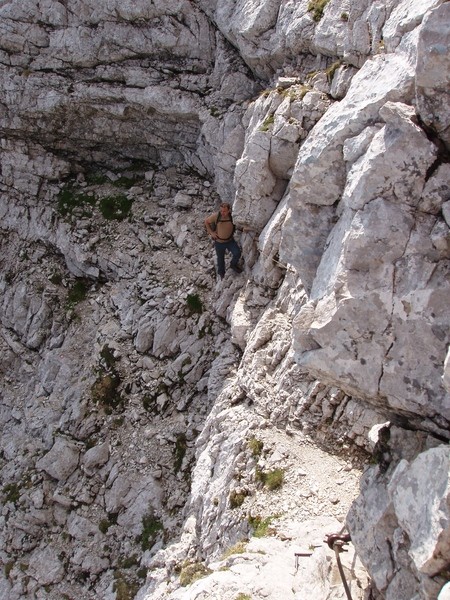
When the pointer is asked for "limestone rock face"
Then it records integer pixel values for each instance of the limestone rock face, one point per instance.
(358, 255)
(170, 435)
(134, 78)
(432, 77)
(419, 487)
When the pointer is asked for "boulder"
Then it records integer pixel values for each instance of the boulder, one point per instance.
(61, 460)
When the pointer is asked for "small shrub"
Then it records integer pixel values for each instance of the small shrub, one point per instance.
(118, 422)
(236, 498)
(317, 7)
(9, 277)
(256, 446)
(242, 596)
(107, 355)
(194, 304)
(261, 527)
(126, 182)
(344, 16)
(105, 390)
(105, 524)
(191, 572)
(274, 479)
(149, 403)
(271, 479)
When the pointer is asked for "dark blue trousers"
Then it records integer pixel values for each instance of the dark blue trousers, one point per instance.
(221, 248)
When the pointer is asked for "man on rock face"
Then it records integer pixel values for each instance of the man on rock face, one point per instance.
(220, 228)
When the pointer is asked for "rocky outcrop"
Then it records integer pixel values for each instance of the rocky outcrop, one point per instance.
(419, 487)
(154, 421)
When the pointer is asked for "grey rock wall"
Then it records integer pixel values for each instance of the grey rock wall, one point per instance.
(134, 385)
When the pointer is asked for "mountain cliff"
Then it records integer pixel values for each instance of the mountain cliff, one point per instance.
(168, 434)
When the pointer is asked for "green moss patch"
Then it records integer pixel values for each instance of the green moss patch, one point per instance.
(194, 304)
(151, 528)
(71, 200)
(115, 207)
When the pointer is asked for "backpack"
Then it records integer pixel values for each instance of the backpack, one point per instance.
(213, 226)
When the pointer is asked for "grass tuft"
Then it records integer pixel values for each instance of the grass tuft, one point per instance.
(191, 572)
(236, 498)
(316, 7)
(268, 122)
(238, 548)
(273, 480)
(261, 527)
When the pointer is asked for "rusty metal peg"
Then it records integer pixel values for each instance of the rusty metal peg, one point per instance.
(334, 538)
(338, 546)
(336, 542)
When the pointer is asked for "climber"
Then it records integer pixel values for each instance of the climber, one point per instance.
(220, 228)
